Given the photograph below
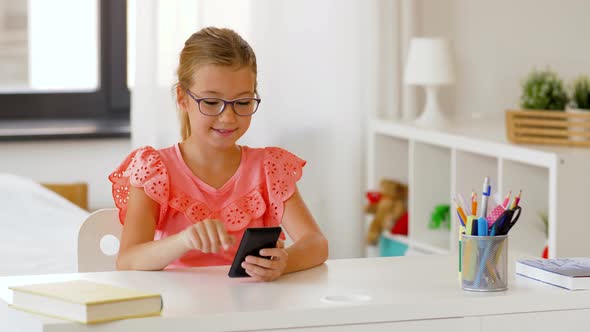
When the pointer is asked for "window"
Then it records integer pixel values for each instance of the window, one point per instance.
(63, 62)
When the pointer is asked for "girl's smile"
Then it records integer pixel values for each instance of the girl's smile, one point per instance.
(224, 132)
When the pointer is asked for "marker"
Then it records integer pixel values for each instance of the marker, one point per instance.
(469, 225)
(482, 226)
(493, 230)
(485, 195)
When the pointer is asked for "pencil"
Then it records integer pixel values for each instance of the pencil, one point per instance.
(506, 202)
(473, 203)
(461, 213)
(462, 203)
(516, 200)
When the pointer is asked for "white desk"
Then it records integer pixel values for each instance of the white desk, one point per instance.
(419, 293)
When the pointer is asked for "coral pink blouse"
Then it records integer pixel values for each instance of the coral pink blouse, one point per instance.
(253, 197)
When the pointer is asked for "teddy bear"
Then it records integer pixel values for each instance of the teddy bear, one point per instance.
(387, 206)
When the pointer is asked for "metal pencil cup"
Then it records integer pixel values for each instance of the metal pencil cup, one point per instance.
(484, 263)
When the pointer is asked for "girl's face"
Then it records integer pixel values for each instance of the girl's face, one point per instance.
(214, 81)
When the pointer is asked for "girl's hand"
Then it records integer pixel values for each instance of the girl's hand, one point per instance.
(267, 269)
(207, 236)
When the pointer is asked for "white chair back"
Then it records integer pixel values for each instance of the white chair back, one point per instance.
(98, 241)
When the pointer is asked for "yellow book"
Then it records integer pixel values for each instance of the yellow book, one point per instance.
(85, 301)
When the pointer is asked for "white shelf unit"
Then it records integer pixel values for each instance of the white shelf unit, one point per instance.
(438, 163)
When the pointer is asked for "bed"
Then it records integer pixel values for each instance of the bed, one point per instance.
(39, 227)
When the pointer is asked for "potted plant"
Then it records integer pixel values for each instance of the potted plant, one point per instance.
(543, 93)
(545, 222)
(543, 90)
(581, 93)
(580, 105)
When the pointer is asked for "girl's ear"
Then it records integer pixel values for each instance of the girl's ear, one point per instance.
(181, 98)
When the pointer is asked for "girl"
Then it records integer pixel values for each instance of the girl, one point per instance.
(189, 204)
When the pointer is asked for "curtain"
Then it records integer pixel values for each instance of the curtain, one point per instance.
(322, 69)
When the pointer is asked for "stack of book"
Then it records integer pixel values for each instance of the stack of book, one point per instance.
(85, 301)
(568, 273)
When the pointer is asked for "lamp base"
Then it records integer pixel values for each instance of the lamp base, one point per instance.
(431, 116)
(432, 119)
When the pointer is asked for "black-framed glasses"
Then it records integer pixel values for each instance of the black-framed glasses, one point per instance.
(214, 106)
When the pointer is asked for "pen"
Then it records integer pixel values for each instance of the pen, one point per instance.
(485, 254)
(485, 194)
(484, 248)
(460, 246)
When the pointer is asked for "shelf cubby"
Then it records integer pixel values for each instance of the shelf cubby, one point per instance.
(391, 156)
(528, 234)
(437, 163)
(429, 186)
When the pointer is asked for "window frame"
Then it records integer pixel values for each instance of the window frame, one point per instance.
(111, 102)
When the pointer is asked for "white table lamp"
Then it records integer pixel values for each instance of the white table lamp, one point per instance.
(429, 63)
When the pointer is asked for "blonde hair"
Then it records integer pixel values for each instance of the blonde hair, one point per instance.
(211, 46)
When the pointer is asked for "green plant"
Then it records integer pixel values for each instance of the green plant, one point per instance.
(545, 221)
(440, 216)
(543, 90)
(581, 92)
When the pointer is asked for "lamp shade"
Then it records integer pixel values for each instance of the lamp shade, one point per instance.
(429, 62)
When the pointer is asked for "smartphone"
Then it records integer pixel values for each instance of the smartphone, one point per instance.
(253, 241)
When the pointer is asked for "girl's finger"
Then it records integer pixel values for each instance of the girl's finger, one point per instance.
(258, 277)
(254, 275)
(266, 263)
(202, 232)
(194, 238)
(210, 226)
(261, 271)
(226, 239)
(273, 252)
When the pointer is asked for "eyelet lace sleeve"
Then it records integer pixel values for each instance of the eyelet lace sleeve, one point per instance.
(282, 169)
(143, 168)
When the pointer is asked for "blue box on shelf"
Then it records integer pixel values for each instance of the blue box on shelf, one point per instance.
(389, 246)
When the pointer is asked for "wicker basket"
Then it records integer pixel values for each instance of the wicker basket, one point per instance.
(548, 127)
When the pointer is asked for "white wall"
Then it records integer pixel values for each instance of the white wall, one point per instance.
(318, 77)
(68, 161)
(319, 73)
(498, 42)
